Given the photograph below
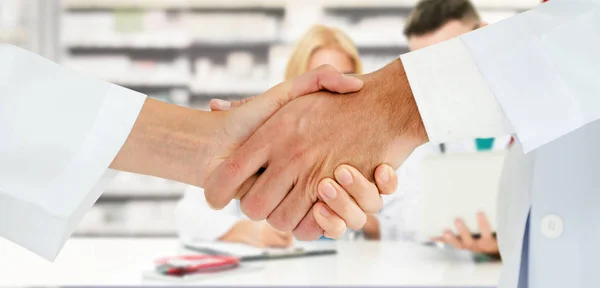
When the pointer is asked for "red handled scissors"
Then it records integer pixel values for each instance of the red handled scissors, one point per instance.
(187, 264)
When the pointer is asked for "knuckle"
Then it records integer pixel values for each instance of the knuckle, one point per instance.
(252, 208)
(358, 223)
(232, 167)
(279, 223)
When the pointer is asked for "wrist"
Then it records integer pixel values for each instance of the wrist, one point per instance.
(170, 142)
(399, 109)
(399, 99)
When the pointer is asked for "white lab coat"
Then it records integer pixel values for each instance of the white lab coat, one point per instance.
(534, 74)
(196, 221)
(59, 132)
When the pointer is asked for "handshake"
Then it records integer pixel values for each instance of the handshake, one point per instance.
(280, 152)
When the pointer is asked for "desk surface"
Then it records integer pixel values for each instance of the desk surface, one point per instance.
(123, 261)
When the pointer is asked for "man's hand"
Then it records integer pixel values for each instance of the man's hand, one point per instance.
(235, 126)
(343, 202)
(308, 138)
(486, 243)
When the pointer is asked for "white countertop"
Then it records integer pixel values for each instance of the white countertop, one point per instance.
(123, 261)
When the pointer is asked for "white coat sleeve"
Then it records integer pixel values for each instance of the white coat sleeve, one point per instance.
(59, 132)
(196, 221)
(534, 74)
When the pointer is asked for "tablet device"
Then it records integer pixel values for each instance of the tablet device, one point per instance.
(458, 186)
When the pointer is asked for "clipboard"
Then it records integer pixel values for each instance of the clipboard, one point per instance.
(247, 253)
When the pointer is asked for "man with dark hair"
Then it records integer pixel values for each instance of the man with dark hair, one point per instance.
(434, 21)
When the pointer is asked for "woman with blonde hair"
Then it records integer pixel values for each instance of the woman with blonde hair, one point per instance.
(324, 45)
(197, 222)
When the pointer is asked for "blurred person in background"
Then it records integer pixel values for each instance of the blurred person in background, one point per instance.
(431, 22)
(196, 221)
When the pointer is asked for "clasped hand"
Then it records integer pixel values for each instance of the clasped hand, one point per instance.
(279, 153)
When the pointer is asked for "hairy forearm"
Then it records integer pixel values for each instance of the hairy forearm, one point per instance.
(170, 142)
(394, 110)
(402, 110)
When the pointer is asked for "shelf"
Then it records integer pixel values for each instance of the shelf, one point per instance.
(126, 46)
(172, 4)
(376, 4)
(115, 47)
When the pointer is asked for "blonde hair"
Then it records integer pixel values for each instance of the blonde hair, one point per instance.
(317, 38)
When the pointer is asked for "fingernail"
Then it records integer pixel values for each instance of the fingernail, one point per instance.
(385, 177)
(324, 211)
(222, 103)
(354, 79)
(458, 222)
(328, 191)
(344, 177)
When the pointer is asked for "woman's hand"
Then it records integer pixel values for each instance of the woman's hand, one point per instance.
(486, 243)
(258, 234)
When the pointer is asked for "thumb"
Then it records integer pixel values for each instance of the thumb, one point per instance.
(325, 77)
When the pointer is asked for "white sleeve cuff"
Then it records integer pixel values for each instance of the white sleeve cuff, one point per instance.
(60, 131)
(44, 225)
(452, 96)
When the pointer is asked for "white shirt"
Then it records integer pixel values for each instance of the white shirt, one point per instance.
(196, 221)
